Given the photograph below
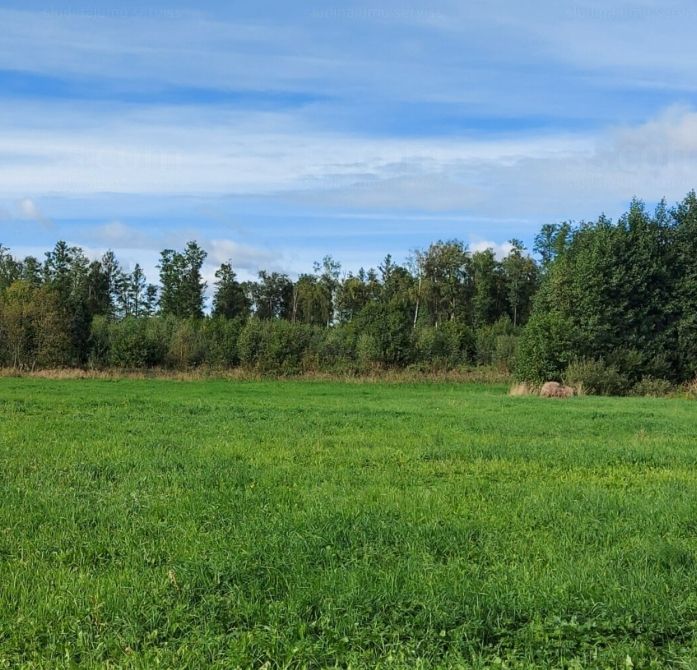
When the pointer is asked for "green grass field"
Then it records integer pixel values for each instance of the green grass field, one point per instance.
(314, 524)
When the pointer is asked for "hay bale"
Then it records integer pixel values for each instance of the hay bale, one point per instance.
(556, 390)
(550, 389)
(567, 392)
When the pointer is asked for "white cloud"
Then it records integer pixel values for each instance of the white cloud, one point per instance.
(567, 178)
(495, 59)
(118, 234)
(167, 154)
(531, 177)
(28, 210)
(133, 243)
(243, 257)
(501, 250)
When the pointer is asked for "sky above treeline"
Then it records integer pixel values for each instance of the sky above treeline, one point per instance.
(275, 133)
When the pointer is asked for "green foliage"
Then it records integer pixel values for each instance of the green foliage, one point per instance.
(368, 353)
(35, 331)
(545, 348)
(187, 345)
(685, 293)
(138, 343)
(426, 312)
(272, 296)
(182, 284)
(275, 345)
(448, 345)
(625, 292)
(652, 387)
(505, 353)
(496, 344)
(390, 331)
(551, 241)
(220, 337)
(621, 292)
(445, 268)
(488, 297)
(250, 343)
(230, 300)
(520, 277)
(596, 377)
(336, 349)
(10, 269)
(312, 301)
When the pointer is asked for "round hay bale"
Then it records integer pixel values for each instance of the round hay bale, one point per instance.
(556, 390)
(550, 389)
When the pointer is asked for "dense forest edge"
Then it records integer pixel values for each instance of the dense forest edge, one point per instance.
(606, 307)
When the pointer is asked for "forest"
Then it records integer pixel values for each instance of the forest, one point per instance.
(609, 305)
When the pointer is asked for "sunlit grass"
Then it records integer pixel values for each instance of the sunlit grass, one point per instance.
(315, 524)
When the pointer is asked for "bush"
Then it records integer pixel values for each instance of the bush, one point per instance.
(276, 345)
(367, 352)
(390, 326)
(156, 341)
(596, 377)
(187, 345)
(35, 331)
(505, 352)
(652, 387)
(446, 346)
(139, 342)
(544, 348)
(100, 342)
(492, 341)
(250, 343)
(336, 349)
(221, 336)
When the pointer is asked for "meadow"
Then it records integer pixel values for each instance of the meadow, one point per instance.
(301, 524)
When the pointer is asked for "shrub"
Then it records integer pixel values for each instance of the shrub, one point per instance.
(336, 349)
(139, 342)
(652, 387)
(491, 342)
(636, 365)
(250, 343)
(690, 388)
(35, 331)
(506, 349)
(367, 352)
(275, 345)
(445, 346)
(100, 342)
(390, 326)
(187, 345)
(544, 348)
(221, 336)
(596, 377)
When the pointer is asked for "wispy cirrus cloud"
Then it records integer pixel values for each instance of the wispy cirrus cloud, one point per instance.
(131, 242)
(271, 130)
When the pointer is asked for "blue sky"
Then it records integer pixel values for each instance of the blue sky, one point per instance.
(275, 132)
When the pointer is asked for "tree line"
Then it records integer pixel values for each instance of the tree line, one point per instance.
(610, 305)
(445, 307)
